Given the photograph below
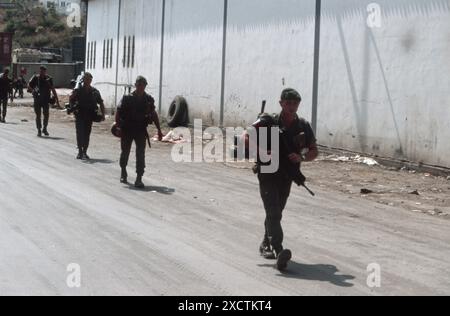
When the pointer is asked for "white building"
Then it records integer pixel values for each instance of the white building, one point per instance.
(61, 6)
(384, 80)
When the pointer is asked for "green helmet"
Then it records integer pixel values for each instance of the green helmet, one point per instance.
(290, 95)
(141, 80)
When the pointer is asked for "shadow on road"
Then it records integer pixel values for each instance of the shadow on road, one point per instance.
(52, 138)
(101, 161)
(315, 272)
(154, 189)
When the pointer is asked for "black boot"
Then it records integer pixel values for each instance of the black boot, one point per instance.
(85, 156)
(283, 258)
(124, 176)
(39, 134)
(139, 184)
(266, 251)
(80, 155)
(45, 132)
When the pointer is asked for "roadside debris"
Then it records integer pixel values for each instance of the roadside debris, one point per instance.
(172, 138)
(416, 192)
(366, 191)
(358, 159)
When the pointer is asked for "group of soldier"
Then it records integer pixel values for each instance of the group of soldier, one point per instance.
(137, 110)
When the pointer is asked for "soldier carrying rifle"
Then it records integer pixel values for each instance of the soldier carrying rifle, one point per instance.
(297, 144)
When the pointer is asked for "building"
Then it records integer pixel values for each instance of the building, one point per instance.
(62, 6)
(384, 76)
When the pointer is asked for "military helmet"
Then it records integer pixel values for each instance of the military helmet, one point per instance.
(88, 75)
(290, 95)
(116, 131)
(141, 80)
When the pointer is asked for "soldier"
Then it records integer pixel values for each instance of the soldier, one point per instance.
(42, 86)
(86, 98)
(20, 84)
(5, 90)
(275, 187)
(134, 114)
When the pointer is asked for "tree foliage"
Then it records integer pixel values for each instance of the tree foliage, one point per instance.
(37, 27)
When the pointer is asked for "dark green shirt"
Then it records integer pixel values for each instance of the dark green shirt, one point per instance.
(44, 87)
(87, 101)
(292, 140)
(135, 112)
(5, 86)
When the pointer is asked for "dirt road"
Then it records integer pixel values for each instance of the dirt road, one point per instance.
(196, 228)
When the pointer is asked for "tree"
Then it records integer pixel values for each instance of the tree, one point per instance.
(37, 27)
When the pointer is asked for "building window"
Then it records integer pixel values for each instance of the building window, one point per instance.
(129, 52)
(103, 59)
(132, 52)
(91, 54)
(111, 54)
(108, 56)
(104, 50)
(95, 53)
(124, 51)
(88, 55)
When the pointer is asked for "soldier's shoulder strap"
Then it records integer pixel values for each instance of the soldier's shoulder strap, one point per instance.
(95, 91)
(150, 101)
(305, 127)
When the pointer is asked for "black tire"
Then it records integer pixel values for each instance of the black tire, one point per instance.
(178, 112)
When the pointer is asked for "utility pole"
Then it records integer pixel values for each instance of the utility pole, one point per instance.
(315, 100)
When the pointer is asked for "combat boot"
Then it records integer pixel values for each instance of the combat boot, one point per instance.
(139, 184)
(267, 252)
(124, 176)
(283, 258)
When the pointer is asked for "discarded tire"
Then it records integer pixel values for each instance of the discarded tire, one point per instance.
(178, 113)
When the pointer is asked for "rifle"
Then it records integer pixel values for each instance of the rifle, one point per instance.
(294, 168)
(72, 106)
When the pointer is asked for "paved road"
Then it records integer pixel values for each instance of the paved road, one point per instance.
(195, 230)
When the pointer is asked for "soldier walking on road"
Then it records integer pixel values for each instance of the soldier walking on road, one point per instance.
(5, 91)
(134, 114)
(86, 112)
(297, 145)
(41, 86)
(19, 86)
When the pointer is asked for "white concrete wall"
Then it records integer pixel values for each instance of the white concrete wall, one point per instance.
(102, 24)
(382, 90)
(270, 47)
(387, 90)
(193, 56)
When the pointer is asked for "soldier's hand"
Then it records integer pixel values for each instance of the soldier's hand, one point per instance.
(160, 136)
(295, 158)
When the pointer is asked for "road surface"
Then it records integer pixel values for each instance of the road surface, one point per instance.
(195, 229)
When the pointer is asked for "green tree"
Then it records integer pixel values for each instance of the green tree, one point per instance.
(35, 26)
